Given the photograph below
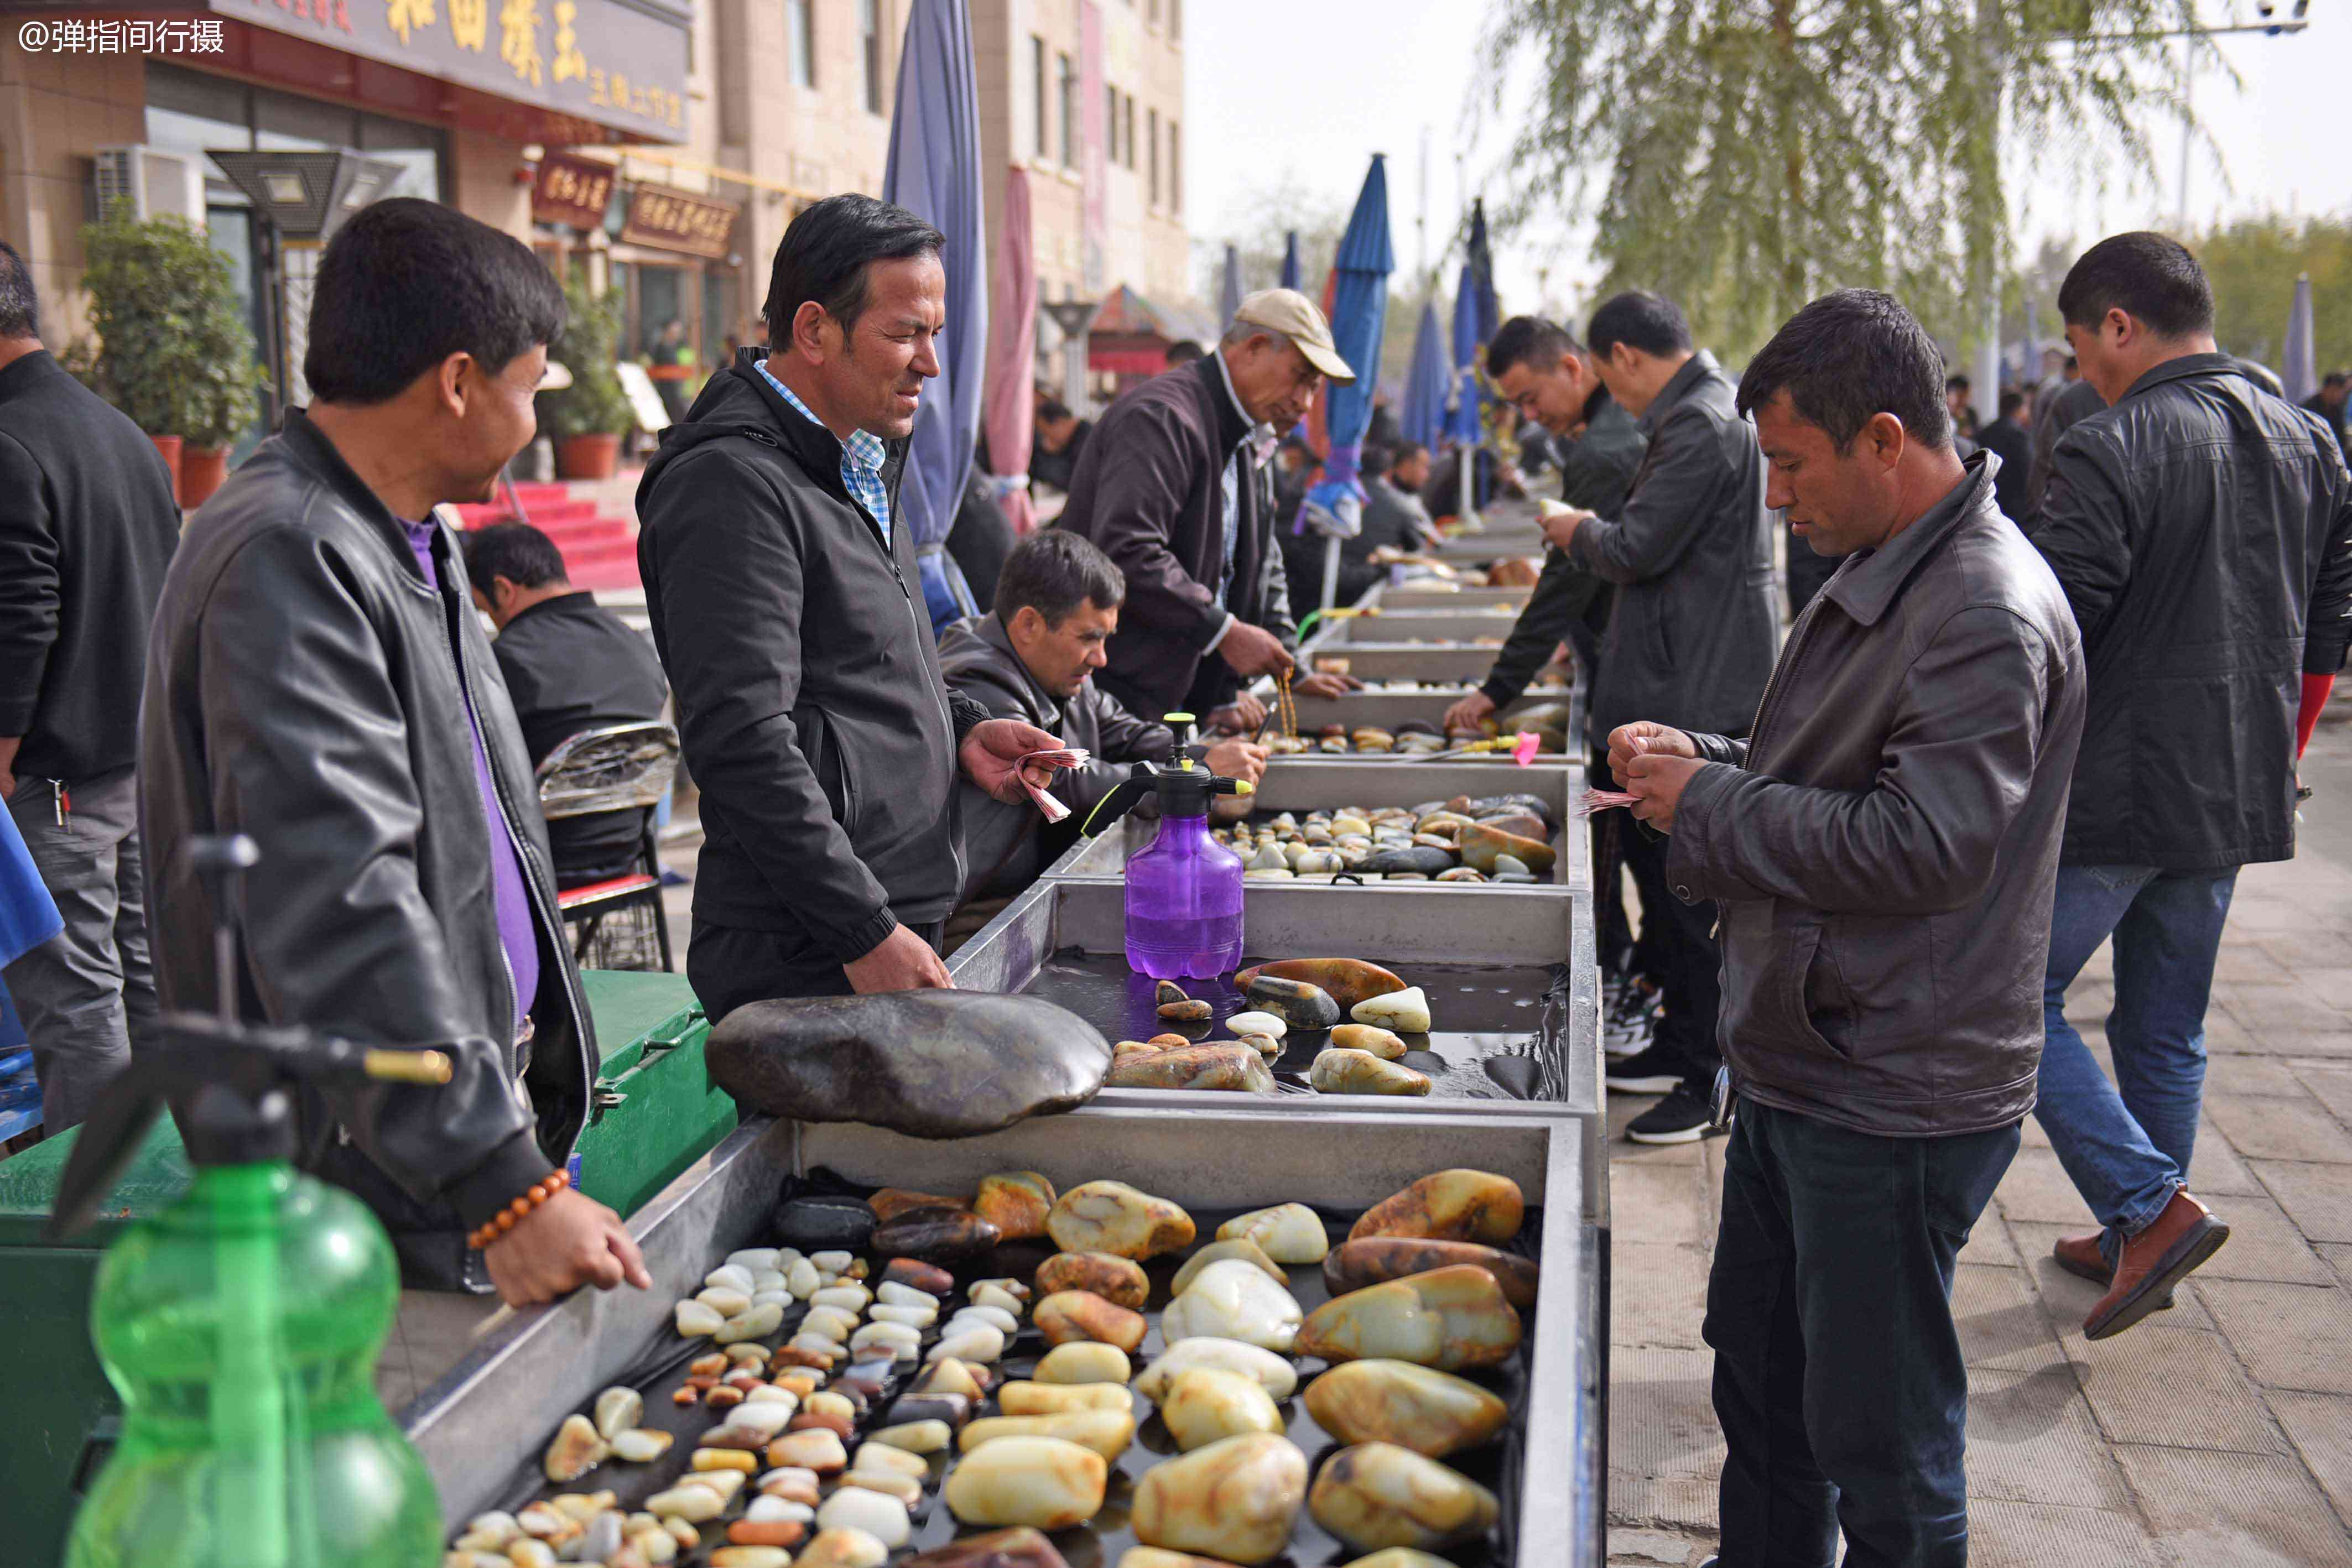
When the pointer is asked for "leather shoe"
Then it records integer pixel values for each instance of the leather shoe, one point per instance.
(2184, 1235)
(2080, 1255)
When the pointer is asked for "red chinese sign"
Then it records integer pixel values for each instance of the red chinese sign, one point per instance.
(670, 219)
(574, 190)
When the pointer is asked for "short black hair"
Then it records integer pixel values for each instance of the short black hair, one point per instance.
(405, 284)
(1640, 319)
(1959, 384)
(20, 305)
(516, 551)
(2072, 363)
(2149, 277)
(1053, 571)
(1183, 351)
(2012, 399)
(1847, 357)
(1376, 462)
(1528, 341)
(1055, 411)
(1407, 451)
(828, 251)
(2332, 378)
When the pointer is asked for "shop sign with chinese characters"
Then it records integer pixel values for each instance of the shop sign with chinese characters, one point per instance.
(574, 190)
(671, 219)
(616, 63)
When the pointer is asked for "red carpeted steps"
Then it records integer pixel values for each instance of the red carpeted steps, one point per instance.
(600, 548)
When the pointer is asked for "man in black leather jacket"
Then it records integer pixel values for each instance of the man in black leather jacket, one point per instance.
(2203, 530)
(1883, 848)
(810, 702)
(1690, 643)
(1033, 658)
(318, 679)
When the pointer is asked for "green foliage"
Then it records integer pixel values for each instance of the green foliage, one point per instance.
(173, 351)
(1744, 156)
(2254, 265)
(593, 404)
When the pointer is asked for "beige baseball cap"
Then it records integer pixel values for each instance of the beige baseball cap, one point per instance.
(1292, 315)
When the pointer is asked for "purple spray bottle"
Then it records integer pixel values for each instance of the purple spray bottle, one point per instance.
(1184, 890)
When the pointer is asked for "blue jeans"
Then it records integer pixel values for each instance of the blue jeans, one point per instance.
(1838, 1378)
(2126, 1145)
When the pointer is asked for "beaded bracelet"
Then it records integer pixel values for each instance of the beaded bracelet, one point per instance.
(543, 1189)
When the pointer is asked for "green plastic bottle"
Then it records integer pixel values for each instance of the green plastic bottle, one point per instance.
(241, 1326)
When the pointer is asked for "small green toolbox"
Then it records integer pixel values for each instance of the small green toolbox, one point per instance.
(653, 1114)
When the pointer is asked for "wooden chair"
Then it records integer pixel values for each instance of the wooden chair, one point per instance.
(618, 923)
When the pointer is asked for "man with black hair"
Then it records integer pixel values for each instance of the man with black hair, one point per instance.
(2329, 402)
(2008, 439)
(2075, 400)
(2203, 530)
(571, 666)
(1060, 436)
(1959, 396)
(1183, 352)
(1550, 380)
(1690, 643)
(87, 530)
(816, 720)
(1032, 657)
(1882, 848)
(1393, 521)
(320, 681)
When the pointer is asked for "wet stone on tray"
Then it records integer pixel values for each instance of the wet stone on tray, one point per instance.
(824, 1221)
(1107, 1275)
(1050, 1483)
(1234, 1499)
(1015, 1202)
(1377, 1495)
(1374, 1260)
(930, 1063)
(1433, 1413)
(1457, 1205)
(1295, 1002)
(916, 1274)
(936, 1235)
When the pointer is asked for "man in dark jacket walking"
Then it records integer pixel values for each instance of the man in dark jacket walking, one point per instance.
(1032, 658)
(1690, 643)
(810, 701)
(2203, 530)
(318, 680)
(2007, 438)
(1883, 848)
(1168, 489)
(87, 530)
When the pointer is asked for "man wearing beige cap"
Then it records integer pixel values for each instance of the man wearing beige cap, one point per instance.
(1167, 489)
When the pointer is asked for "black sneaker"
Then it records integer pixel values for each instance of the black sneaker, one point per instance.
(1682, 1117)
(1654, 1071)
(1631, 1020)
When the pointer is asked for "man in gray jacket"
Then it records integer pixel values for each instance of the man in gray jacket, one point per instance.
(1690, 643)
(1033, 658)
(1884, 849)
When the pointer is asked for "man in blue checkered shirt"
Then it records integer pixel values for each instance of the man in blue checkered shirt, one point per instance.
(784, 604)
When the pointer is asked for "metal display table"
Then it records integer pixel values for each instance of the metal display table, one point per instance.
(1485, 627)
(1306, 783)
(490, 1417)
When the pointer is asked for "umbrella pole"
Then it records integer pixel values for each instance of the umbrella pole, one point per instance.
(1469, 468)
(1331, 570)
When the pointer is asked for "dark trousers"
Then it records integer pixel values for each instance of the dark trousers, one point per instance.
(1838, 1379)
(731, 964)
(1677, 950)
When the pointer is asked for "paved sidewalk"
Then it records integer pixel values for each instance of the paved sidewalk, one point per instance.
(2218, 1434)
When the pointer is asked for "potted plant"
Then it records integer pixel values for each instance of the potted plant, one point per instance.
(585, 419)
(164, 310)
(222, 404)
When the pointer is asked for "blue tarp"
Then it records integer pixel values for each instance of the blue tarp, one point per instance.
(933, 171)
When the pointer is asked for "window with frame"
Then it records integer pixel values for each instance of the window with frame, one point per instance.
(1152, 154)
(1175, 167)
(1037, 92)
(869, 28)
(1066, 104)
(1176, 18)
(1110, 125)
(1128, 133)
(800, 41)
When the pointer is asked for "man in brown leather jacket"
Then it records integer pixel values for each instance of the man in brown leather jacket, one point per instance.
(1884, 849)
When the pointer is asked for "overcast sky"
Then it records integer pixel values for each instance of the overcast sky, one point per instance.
(1311, 89)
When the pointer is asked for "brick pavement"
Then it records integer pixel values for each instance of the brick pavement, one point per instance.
(2218, 1434)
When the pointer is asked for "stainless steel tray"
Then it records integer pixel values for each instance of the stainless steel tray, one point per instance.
(1417, 596)
(1423, 626)
(1301, 785)
(492, 1415)
(1389, 709)
(1440, 663)
(1515, 1031)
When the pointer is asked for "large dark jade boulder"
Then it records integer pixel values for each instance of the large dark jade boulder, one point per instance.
(931, 1064)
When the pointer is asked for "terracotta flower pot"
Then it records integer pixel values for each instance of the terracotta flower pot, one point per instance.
(587, 457)
(169, 446)
(203, 470)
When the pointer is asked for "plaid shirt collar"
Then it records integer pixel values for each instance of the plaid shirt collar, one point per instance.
(861, 457)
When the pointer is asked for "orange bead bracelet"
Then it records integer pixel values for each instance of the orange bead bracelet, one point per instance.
(547, 1186)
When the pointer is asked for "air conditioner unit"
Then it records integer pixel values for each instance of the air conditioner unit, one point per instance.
(156, 184)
